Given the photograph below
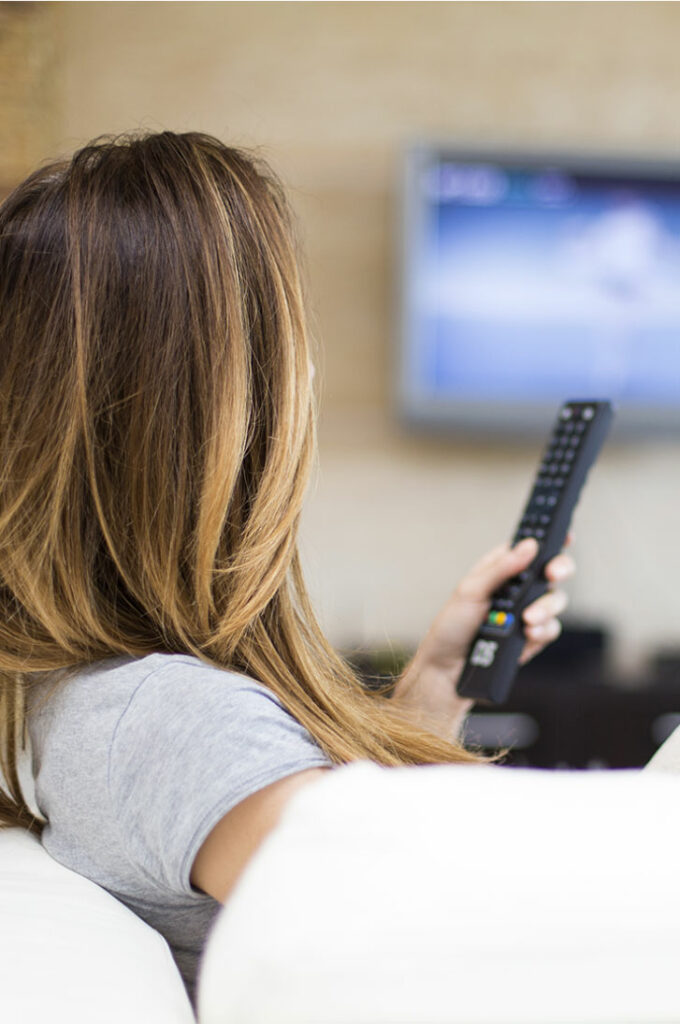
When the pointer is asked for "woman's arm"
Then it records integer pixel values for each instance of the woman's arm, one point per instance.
(236, 837)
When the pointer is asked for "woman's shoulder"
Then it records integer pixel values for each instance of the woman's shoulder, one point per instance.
(160, 698)
(161, 724)
(107, 684)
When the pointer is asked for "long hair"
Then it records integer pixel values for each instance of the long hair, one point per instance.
(156, 437)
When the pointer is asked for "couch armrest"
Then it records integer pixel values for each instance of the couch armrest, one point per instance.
(69, 951)
(457, 894)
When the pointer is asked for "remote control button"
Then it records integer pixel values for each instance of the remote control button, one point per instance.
(503, 603)
(500, 618)
(554, 468)
(568, 428)
(544, 520)
(588, 413)
(558, 482)
(558, 454)
(566, 413)
(483, 653)
(551, 500)
(540, 500)
(580, 427)
(570, 454)
(574, 441)
(500, 621)
(564, 468)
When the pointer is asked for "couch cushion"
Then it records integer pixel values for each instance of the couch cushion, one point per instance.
(71, 952)
(457, 894)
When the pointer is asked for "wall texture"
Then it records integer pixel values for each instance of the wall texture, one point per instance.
(28, 120)
(332, 92)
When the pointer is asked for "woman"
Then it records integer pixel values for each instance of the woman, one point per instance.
(157, 432)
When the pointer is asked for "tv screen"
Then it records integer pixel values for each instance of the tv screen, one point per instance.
(531, 280)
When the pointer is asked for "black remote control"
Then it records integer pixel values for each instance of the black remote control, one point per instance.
(574, 444)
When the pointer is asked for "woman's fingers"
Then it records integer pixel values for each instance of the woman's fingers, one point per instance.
(545, 608)
(503, 562)
(560, 568)
(538, 637)
(496, 568)
(544, 633)
(541, 625)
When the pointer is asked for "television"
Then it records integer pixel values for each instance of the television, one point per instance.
(530, 279)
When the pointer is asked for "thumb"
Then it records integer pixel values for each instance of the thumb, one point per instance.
(490, 573)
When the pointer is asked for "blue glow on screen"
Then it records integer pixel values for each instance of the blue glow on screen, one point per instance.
(536, 285)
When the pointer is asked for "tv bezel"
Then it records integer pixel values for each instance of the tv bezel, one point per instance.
(461, 417)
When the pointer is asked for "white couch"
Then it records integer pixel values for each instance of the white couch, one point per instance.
(71, 952)
(400, 896)
(457, 894)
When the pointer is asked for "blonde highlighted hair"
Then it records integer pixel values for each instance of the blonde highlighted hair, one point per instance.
(156, 436)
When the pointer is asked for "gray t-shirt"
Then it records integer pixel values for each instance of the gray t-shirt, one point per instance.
(136, 760)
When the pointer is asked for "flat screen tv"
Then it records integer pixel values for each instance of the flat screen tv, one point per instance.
(531, 279)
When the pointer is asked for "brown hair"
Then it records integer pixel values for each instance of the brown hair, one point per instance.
(156, 436)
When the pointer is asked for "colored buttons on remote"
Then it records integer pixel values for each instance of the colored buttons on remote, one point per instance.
(499, 621)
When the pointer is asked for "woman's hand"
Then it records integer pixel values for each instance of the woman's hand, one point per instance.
(428, 684)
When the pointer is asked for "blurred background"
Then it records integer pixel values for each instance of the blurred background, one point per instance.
(334, 95)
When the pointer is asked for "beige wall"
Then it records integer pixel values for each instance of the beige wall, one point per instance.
(28, 117)
(332, 92)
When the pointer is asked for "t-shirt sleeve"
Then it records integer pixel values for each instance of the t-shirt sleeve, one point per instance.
(193, 742)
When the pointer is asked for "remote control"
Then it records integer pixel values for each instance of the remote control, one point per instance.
(574, 444)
